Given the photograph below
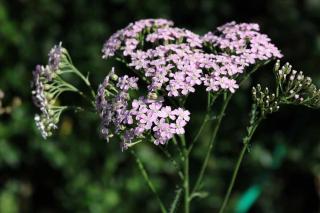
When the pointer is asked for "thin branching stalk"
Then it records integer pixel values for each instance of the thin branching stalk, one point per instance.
(226, 100)
(246, 142)
(148, 180)
(186, 175)
(211, 143)
(173, 161)
(180, 151)
(206, 119)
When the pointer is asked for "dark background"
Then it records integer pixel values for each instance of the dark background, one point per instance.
(76, 171)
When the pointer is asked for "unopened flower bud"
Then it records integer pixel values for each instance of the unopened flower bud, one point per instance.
(277, 65)
(114, 77)
(258, 87)
(153, 96)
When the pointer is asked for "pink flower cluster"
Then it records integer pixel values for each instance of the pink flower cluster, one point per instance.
(173, 35)
(175, 60)
(157, 64)
(129, 36)
(134, 119)
(243, 40)
(161, 120)
(225, 68)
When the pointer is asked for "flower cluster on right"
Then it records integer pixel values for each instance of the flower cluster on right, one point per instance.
(292, 87)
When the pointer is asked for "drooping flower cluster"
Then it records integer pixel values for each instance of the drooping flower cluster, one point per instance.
(45, 123)
(176, 60)
(133, 119)
(47, 85)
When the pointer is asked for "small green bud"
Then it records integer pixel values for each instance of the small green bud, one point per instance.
(114, 77)
(153, 96)
(276, 65)
(258, 87)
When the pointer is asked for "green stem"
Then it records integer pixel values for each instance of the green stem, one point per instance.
(246, 142)
(206, 118)
(175, 142)
(204, 122)
(211, 143)
(147, 179)
(173, 161)
(216, 128)
(68, 67)
(186, 175)
(69, 87)
(86, 80)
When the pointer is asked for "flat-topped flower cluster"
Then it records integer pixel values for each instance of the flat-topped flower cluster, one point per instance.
(173, 62)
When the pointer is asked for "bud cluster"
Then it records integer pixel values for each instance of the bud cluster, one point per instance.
(267, 102)
(292, 87)
(296, 88)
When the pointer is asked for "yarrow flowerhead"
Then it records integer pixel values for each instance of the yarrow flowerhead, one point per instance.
(175, 60)
(243, 40)
(134, 119)
(172, 62)
(47, 85)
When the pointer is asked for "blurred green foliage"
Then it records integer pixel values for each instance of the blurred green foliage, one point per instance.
(76, 171)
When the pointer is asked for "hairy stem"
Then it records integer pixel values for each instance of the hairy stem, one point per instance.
(180, 151)
(246, 141)
(204, 122)
(217, 126)
(186, 175)
(211, 143)
(148, 180)
(85, 80)
(210, 101)
(173, 161)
